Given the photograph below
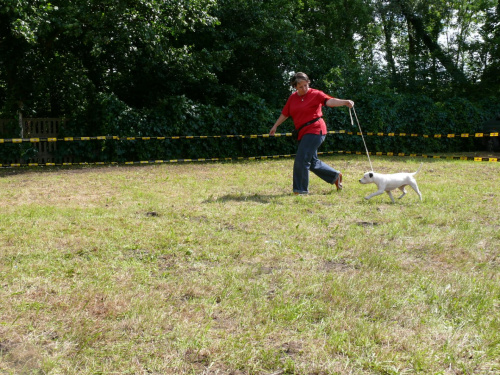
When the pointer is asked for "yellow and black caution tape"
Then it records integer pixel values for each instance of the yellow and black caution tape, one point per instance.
(144, 162)
(413, 155)
(462, 135)
(251, 136)
(48, 139)
(117, 138)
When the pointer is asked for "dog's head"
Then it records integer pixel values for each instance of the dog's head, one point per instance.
(367, 178)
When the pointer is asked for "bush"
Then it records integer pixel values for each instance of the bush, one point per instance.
(413, 114)
(247, 114)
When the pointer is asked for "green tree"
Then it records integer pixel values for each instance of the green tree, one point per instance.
(255, 44)
(55, 56)
(337, 34)
(488, 53)
(436, 46)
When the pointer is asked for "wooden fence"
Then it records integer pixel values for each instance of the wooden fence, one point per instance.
(43, 152)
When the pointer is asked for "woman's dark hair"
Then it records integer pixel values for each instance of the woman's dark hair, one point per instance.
(297, 77)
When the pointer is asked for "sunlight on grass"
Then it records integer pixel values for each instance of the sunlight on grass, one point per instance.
(218, 268)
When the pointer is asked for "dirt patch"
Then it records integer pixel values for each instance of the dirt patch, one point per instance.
(338, 266)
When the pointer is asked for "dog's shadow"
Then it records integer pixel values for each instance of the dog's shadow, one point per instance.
(256, 198)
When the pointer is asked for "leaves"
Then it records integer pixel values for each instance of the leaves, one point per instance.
(199, 66)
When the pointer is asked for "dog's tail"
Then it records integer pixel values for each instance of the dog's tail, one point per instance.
(418, 170)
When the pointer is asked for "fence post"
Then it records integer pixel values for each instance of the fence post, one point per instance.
(21, 124)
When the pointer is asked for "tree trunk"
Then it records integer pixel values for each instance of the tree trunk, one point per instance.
(418, 25)
(387, 28)
(412, 55)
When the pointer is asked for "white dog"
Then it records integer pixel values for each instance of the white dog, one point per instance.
(389, 182)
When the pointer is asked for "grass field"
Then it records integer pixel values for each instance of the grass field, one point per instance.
(218, 269)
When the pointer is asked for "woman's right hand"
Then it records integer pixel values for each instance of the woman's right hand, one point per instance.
(278, 122)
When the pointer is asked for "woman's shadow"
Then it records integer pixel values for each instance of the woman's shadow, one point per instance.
(257, 198)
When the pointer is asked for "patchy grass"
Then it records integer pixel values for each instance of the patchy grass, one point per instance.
(219, 269)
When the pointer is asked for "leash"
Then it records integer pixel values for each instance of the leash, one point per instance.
(362, 136)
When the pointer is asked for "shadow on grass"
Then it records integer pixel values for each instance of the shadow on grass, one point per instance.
(257, 198)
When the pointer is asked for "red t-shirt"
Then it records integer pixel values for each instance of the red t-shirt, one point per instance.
(305, 108)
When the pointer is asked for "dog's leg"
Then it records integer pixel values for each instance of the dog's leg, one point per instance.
(415, 187)
(390, 196)
(378, 192)
(402, 188)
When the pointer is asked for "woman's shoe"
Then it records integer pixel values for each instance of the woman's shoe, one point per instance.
(338, 182)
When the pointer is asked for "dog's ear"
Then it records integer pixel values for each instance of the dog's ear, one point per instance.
(371, 174)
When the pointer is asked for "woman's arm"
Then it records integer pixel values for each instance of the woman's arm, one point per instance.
(278, 122)
(334, 102)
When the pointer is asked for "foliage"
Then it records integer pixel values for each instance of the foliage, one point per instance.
(125, 48)
(205, 67)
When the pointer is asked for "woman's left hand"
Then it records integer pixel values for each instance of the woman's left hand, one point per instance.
(334, 102)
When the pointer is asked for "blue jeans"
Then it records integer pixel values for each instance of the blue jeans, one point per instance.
(307, 160)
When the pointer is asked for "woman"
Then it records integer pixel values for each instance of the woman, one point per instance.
(304, 106)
